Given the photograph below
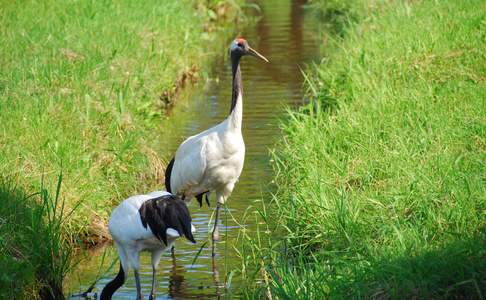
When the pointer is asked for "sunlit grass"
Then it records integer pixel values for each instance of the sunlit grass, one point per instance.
(81, 82)
(84, 86)
(381, 178)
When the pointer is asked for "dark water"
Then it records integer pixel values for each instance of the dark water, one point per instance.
(285, 34)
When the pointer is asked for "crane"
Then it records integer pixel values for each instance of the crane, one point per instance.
(212, 160)
(146, 223)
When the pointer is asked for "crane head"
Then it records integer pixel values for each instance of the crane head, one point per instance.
(240, 47)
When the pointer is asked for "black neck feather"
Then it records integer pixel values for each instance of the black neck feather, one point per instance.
(237, 85)
(113, 285)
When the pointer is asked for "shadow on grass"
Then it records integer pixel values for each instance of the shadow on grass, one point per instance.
(456, 271)
(34, 256)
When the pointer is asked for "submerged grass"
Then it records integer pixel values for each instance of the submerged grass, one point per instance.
(85, 83)
(381, 178)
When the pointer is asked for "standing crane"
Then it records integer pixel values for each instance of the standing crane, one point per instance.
(212, 160)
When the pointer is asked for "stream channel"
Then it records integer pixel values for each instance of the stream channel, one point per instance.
(286, 34)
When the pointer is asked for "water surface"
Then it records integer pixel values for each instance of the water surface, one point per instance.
(285, 34)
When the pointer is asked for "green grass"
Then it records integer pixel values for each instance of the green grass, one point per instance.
(382, 177)
(84, 84)
(35, 256)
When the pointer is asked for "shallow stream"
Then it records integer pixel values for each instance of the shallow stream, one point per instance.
(286, 34)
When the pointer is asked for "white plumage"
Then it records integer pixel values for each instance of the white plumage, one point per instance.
(211, 160)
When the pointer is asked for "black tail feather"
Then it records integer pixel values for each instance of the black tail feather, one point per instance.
(184, 225)
(207, 200)
(168, 172)
(199, 198)
(168, 211)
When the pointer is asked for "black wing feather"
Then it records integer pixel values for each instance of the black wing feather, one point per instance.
(164, 212)
(150, 215)
(168, 172)
(178, 217)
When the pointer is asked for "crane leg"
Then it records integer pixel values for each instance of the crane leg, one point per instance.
(154, 284)
(216, 280)
(216, 228)
(139, 286)
(155, 262)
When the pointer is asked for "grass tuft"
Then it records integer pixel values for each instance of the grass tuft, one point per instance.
(35, 255)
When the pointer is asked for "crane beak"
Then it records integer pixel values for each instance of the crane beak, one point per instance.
(254, 53)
